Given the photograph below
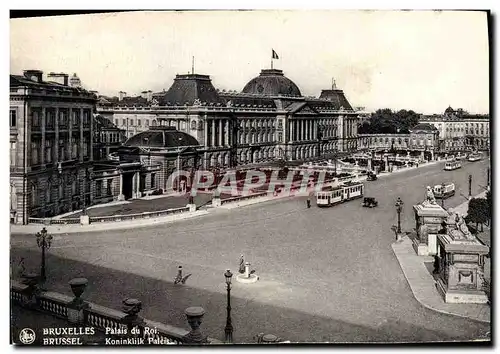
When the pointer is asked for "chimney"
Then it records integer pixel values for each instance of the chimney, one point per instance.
(34, 75)
(121, 94)
(60, 78)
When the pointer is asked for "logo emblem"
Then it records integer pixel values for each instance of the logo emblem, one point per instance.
(27, 336)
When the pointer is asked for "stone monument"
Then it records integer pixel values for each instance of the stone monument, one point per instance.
(429, 217)
(461, 263)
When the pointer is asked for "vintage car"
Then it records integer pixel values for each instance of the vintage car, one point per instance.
(370, 202)
(371, 176)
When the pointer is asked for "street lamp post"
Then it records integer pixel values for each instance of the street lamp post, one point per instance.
(470, 186)
(399, 208)
(229, 326)
(43, 241)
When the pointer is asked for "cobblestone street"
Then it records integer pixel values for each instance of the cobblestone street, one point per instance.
(331, 270)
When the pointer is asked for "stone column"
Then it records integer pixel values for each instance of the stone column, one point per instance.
(221, 134)
(307, 129)
(121, 196)
(226, 137)
(422, 155)
(42, 148)
(69, 147)
(56, 127)
(292, 130)
(213, 133)
(81, 136)
(206, 130)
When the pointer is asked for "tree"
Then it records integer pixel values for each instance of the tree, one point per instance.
(385, 121)
(478, 211)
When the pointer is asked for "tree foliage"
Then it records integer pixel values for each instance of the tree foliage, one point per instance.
(386, 121)
(478, 211)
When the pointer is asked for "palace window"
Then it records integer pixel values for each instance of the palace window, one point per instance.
(109, 184)
(153, 180)
(49, 118)
(280, 137)
(98, 188)
(35, 119)
(123, 122)
(13, 153)
(13, 118)
(35, 151)
(139, 122)
(48, 151)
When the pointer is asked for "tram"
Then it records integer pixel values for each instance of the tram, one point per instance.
(444, 190)
(331, 195)
(474, 157)
(452, 165)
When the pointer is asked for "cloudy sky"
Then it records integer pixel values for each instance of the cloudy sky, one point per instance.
(420, 60)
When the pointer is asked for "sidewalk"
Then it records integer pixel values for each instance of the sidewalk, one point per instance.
(423, 286)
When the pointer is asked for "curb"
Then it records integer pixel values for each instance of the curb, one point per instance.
(424, 304)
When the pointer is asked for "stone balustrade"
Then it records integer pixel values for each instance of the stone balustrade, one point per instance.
(100, 317)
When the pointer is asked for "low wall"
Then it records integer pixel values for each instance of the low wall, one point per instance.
(96, 316)
(111, 218)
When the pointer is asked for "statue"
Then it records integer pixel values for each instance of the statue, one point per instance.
(462, 227)
(430, 199)
(242, 265)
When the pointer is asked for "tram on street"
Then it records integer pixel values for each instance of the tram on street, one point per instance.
(444, 190)
(452, 165)
(332, 195)
(474, 157)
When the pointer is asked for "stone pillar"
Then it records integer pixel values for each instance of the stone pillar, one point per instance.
(227, 135)
(422, 156)
(42, 148)
(386, 162)
(69, 147)
(369, 164)
(432, 155)
(213, 142)
(292, 130)
(206, 131)
(77, 306)
(121, 196)
(221, 134)
(81, 138)
(307, 130)
(194, 317)
(56, 127)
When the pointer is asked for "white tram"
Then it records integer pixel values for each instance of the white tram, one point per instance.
(444, 190)
(474, 157)
(452, 165)
(330, 195)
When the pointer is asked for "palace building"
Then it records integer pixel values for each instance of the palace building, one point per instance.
(51, 150)
(268, 120)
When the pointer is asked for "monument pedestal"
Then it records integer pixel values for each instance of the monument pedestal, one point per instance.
(192, 207)
(429, 220)
(461, 268)
(216, 202)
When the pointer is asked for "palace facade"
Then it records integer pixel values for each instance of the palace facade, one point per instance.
(51, 150)
(460, 131)
(193, 125)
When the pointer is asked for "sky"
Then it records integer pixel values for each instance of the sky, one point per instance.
(420, 60)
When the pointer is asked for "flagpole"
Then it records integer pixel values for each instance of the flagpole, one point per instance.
(271, 63)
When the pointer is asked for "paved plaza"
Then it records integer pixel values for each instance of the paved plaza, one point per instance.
(325, 274)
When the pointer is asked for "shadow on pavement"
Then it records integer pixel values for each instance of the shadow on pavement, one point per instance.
(165, 302)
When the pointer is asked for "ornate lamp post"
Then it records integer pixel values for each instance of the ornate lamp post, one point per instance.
(43, 241)
(229, 326)
(470, 186)
(399, 208)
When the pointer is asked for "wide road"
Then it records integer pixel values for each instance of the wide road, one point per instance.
(325, 274)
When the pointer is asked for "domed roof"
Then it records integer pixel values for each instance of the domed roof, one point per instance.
(272, 82)
(161, 137)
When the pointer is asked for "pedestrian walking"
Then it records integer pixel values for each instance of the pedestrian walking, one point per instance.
(308, 202)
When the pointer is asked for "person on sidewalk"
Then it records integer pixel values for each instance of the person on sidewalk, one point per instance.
(436, 265)
(308, 202)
